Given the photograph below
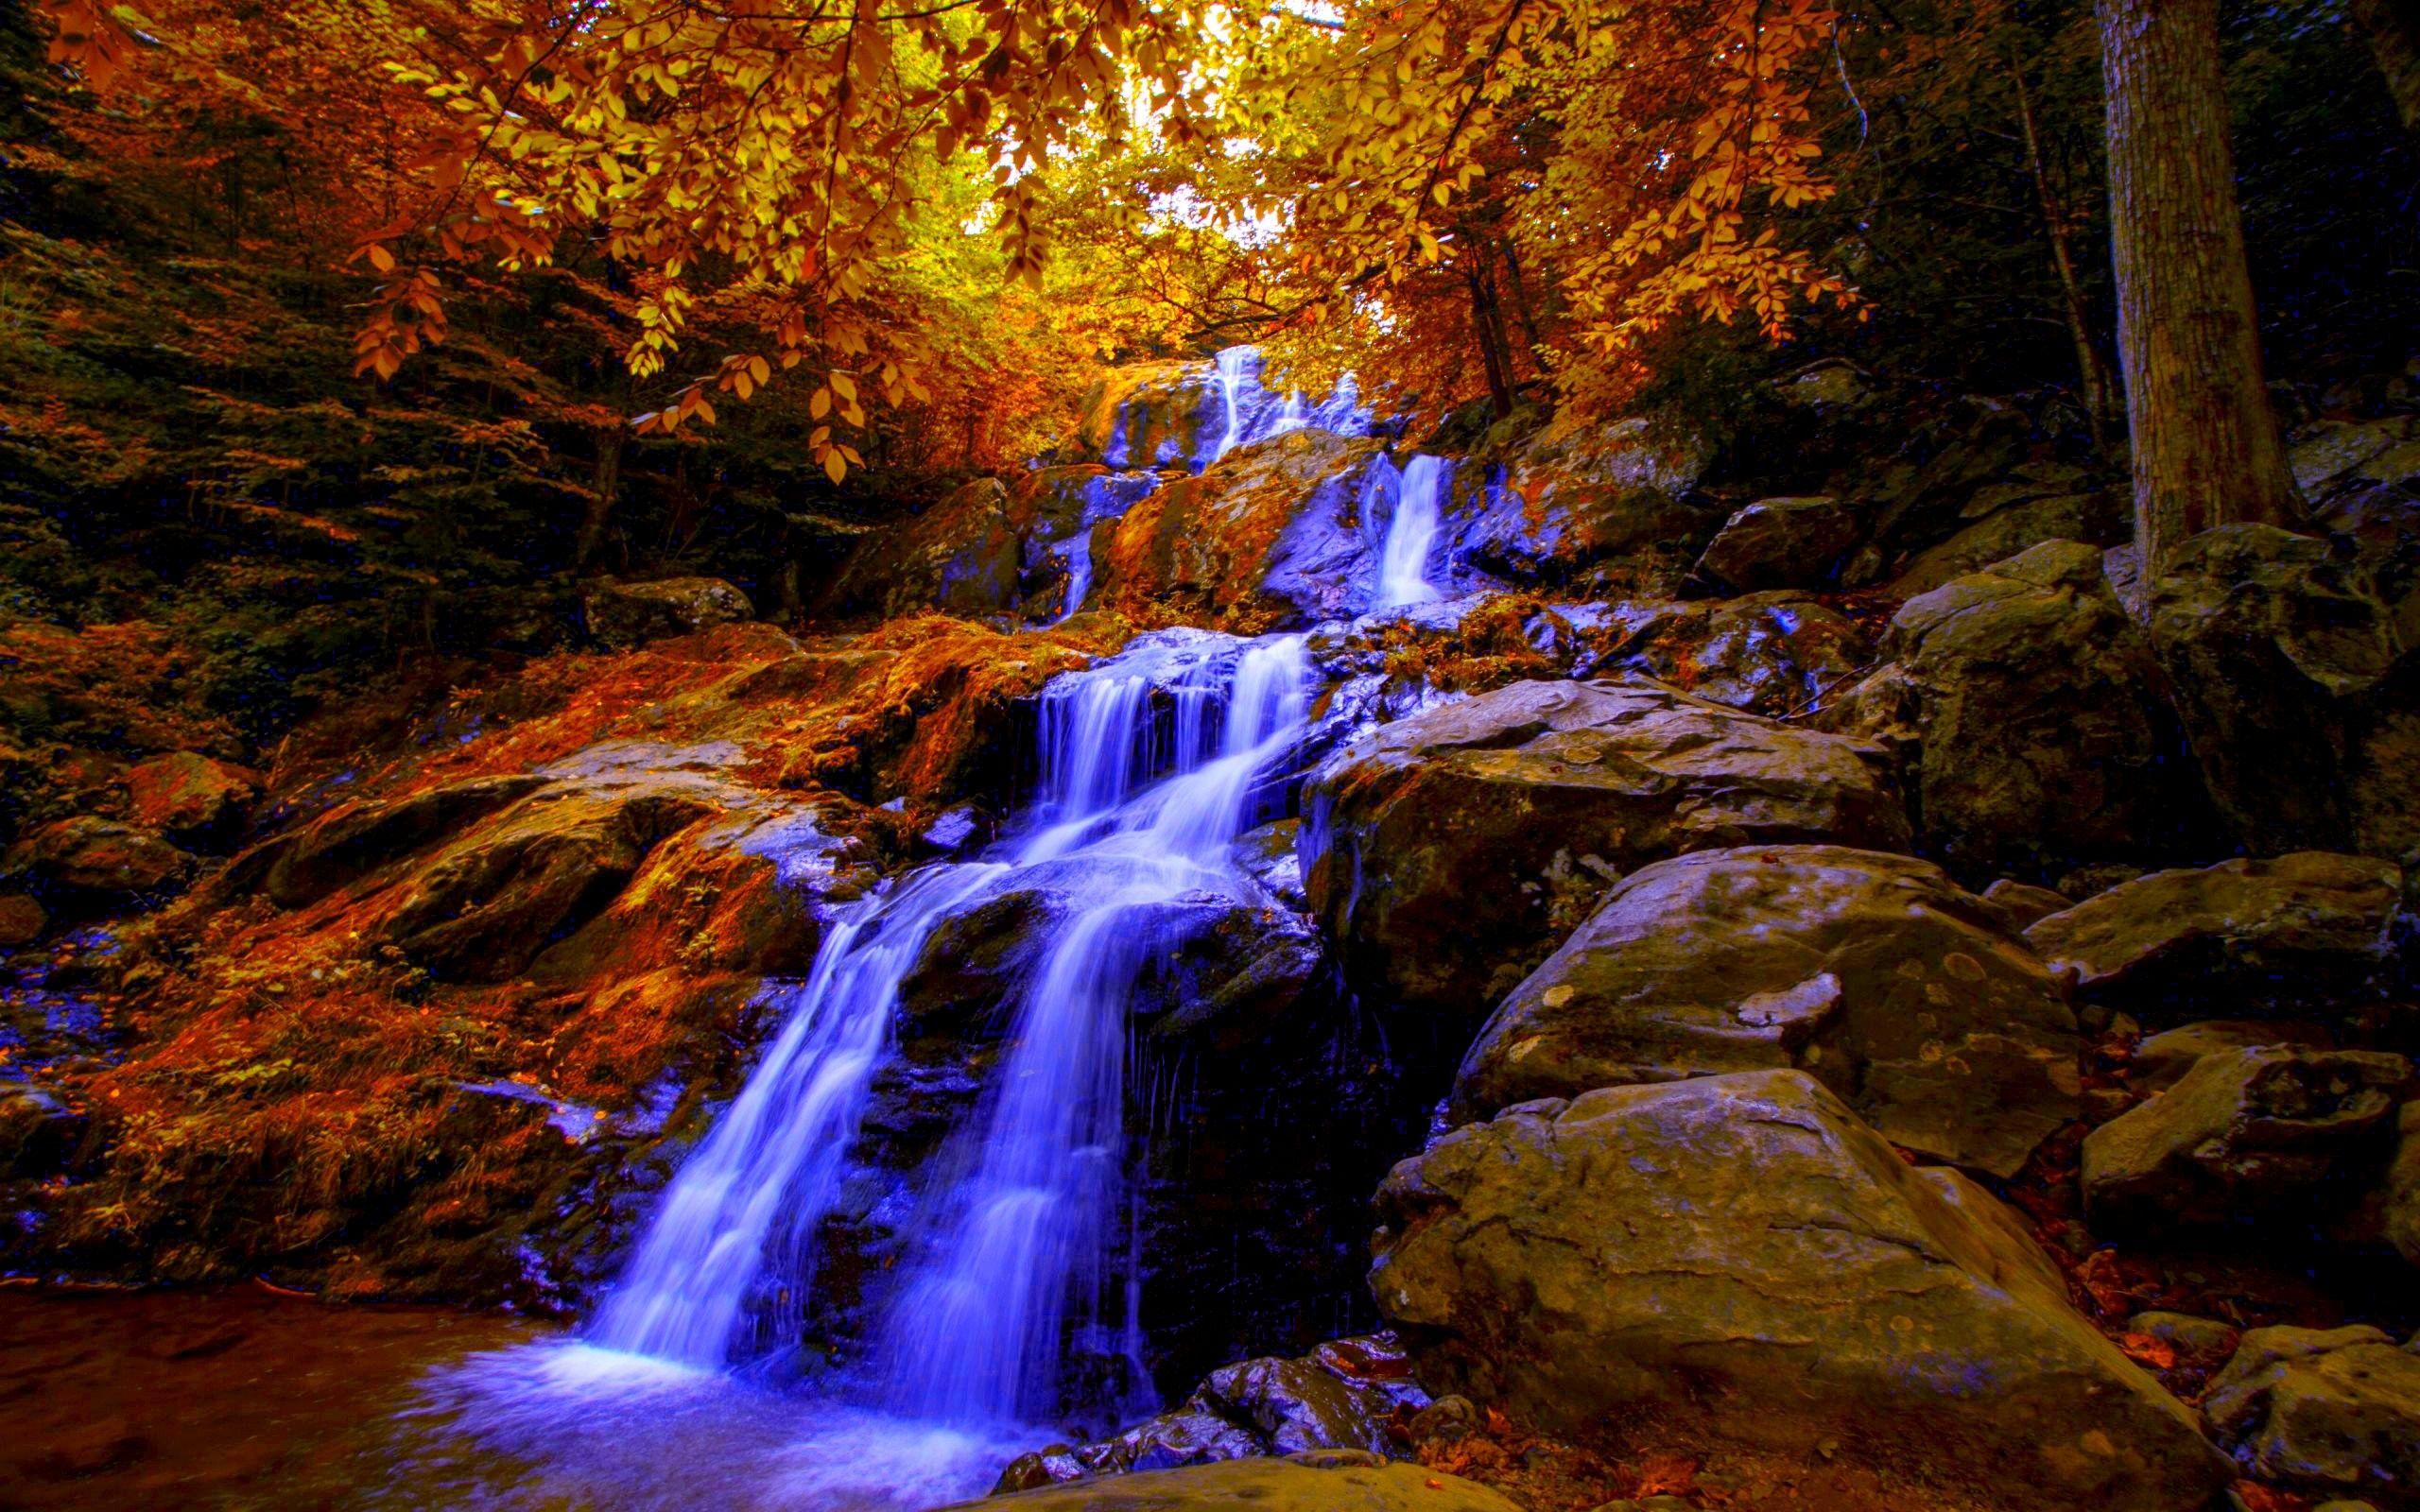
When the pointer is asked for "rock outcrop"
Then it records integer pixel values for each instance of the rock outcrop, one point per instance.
(190, 797)
(91, 859)
(1873, 973)
(1269, 535)
(2331, 1412)
(2034, 709)
(2299, 691)
(1739, 1260)
(962, 557)
(1611, 504)
(622, 616)
(1446, 851)
(1783, 543)
(2309, 928)
(1340, 1397)
(2243, 1133)
(1772, 654)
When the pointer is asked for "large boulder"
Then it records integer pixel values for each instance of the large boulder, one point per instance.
(1309, 1483)
(2329, 1412)
(1783, 543)
(2034, 707)
(2300, 693)
(2243, 1133)
(1772, 654)
(1447, 851)
(1613, 501)
(2249, 935)
(190, 796)
(101, 861)
(1269, 535)
(1737, 1261)
(626, 615)
(962, 556)
(1874, 972)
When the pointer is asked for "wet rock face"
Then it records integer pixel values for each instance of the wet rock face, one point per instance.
(1225, 969)
(1446, 851)
(1873, 972)
(2333, 1411)
(2307, 928)
(1340, 1397)
(1782, 543)
(2243, 1133)
(1269, 535)
(1739, 1260)
(2035, 710)
(622, 616)
(1611, 503)
(2300, 692)
(1145, 415)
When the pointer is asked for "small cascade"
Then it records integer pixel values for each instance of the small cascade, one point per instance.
(1412, 534)
(1077, 552)
(1236, 367)
(1248, 412)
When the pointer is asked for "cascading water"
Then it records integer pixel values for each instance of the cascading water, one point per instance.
(766, 1174)
(1235, 368)
(1152, 764)
(1249, 412)
(1412, 534)
(1077, 552)
(1024, 1248)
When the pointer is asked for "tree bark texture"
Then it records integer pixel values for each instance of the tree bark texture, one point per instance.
(2206, 450)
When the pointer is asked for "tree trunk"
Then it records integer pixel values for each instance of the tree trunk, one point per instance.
(2392, 27)
(2205, 444)
(2090, 371)
(600, 504)
(1488, 322)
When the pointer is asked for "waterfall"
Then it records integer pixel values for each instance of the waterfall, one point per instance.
(1023, 1250)
(767, 1174)
(1152, 764)
(1412, 534)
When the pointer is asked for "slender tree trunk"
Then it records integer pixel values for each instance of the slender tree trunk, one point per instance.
(601, 506)
(2205, 444)
(1488, 322)
(2090, 371)
(2392, 27)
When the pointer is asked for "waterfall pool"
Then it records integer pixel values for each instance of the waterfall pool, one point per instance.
(236, 1397)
